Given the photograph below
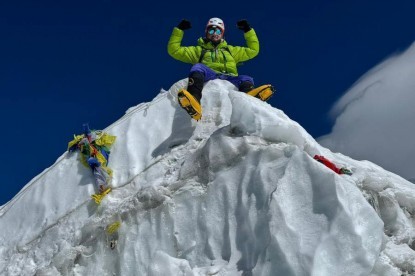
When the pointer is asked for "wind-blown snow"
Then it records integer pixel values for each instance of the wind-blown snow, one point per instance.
(237, 193)
(377, 113)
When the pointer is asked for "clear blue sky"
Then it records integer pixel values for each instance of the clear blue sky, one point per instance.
(63, 63)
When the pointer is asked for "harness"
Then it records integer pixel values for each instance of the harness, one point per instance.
(204, 50)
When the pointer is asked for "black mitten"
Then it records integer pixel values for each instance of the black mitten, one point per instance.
(243, 25)
(184, 25)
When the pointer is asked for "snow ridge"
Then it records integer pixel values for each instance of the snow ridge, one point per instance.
(237, 193)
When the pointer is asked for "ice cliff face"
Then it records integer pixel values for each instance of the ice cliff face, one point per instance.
(237, 193)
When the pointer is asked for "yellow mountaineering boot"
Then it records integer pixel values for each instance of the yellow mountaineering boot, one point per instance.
(190, 104)
(263, 92)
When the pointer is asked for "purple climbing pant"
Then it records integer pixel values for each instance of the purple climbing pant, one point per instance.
(212, 75)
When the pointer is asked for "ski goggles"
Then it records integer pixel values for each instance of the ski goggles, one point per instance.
(216, 31)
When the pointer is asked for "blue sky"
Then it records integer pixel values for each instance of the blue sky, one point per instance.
(66, 63)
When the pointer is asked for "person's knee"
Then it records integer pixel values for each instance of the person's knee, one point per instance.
(245, 78)
(199, 67)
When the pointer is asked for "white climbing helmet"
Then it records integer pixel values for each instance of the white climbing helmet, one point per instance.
(215, 22)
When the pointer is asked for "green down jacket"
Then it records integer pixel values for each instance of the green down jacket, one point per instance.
(223, 58)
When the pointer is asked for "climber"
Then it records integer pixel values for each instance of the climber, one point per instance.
(213, 58)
